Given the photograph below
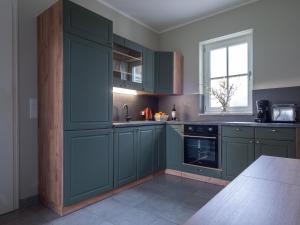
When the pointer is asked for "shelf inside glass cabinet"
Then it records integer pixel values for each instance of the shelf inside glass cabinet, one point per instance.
(127, 64)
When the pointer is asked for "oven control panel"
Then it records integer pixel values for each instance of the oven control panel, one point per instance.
(201, 130)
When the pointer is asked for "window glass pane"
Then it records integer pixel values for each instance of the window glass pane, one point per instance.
(218, 61)
(238, 59)
(215, 85)
(240, 97)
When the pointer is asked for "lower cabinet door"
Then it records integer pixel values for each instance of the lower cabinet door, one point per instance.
(237, 155)
(174, 147)
(159, 159)
(146, 150)
(285, 149)
(88, 164)
(125, 156)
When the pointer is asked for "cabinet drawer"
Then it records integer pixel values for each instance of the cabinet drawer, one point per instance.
(239, 132)
(275, 133)
(179, 128)
(87, 24)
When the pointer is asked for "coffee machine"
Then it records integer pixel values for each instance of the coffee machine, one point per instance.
(263, 111)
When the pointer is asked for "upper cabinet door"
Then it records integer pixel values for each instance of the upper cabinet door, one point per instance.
(148, 82)
(164, 72)
(89, 25)
(87, 84)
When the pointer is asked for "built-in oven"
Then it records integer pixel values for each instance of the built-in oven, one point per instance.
(201, 145)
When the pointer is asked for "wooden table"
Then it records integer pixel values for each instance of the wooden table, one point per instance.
(266, 193)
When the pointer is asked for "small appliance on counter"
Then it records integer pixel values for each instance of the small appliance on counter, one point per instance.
(285, 113)
(263, 111)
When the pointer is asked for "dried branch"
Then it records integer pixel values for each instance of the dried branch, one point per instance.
(223, 94)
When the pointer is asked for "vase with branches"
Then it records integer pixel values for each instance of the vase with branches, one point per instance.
(223, 93)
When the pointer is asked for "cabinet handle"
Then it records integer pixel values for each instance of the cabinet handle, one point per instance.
(258, 142)
(237, 129)
(274, 130)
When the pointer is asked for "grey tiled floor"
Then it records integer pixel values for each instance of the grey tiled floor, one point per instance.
(165, 200)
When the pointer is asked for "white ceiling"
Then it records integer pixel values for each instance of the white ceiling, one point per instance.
(164, 15)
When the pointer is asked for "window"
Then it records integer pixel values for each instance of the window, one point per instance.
(226, 73)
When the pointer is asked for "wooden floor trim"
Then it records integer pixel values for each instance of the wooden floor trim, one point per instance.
(210, 180)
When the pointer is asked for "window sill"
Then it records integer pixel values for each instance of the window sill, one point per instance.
(226, 114)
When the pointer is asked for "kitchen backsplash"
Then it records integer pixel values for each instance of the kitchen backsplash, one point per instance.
(136, 103)
(188, 107)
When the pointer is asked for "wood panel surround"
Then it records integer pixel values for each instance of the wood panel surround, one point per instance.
(50, 106)
(178, 74)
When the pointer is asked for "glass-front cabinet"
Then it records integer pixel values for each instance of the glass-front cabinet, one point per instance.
(127, 64)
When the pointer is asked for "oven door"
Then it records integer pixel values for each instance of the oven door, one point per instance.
(201, 151)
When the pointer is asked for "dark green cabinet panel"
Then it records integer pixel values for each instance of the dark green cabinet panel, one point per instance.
(87, 24)
(146, 150)
(88, 164)
(237, 155)
(285, 149)
(125, 156)
(148, 71)
(238, 132)
(132, 45)
(203, 171)
(275, 133)
(118, 40)
(164, 72)
(159, 159)
(87, 84)
(174, 147)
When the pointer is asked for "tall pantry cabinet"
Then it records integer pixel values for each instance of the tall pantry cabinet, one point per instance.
(75, 106)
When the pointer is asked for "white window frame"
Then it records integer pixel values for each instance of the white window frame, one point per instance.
(225, 41)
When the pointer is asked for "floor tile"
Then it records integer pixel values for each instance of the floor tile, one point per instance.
(165, 200)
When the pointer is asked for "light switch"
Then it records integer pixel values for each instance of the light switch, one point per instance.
(33, 108)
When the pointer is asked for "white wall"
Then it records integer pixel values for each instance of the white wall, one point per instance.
(28, 10)
(276, 42)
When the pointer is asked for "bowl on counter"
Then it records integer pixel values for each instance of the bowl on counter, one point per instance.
(162, 118)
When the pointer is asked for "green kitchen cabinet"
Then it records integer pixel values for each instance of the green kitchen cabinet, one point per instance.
(148, 66)
(87, 84)
(273, 141)
(147, 146)
(88, 164)
(125, 156)
(278, 148)
(163, 72)
(174, 147)
(128, 64)
(159, 159)
(237, 155)
(87, 24)
(118, 40)
(168, 73)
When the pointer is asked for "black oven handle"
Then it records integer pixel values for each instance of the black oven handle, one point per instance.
(199, 137)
